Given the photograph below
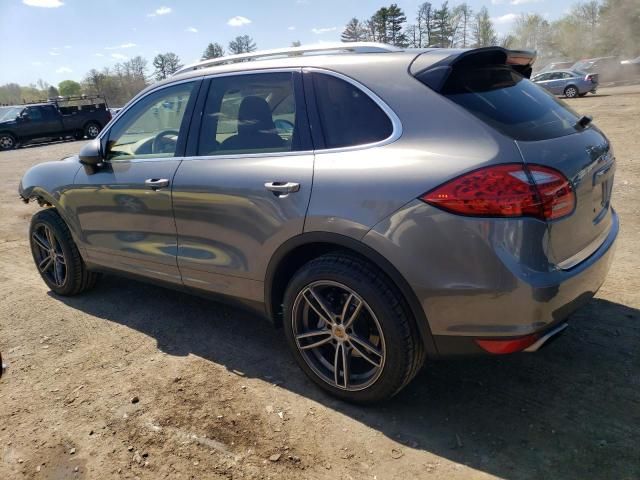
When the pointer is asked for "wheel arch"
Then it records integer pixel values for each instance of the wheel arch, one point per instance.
(569, 86)
(295, 252)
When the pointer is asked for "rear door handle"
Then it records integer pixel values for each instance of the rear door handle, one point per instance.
(282, 188)
(156, 183)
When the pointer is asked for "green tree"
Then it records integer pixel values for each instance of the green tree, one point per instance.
(484, 35)
(442, 29)
(354, 31)
(242, 44)
(213, 50)
(424, 24)
(69, 87)
(166, 64)
(462, 20)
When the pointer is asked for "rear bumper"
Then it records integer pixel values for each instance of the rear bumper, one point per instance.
(486, 278)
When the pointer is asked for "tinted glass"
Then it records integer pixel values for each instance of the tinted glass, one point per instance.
(510, 103)
(151, 128)
(349, 117)
(35, 113)
(253, 113)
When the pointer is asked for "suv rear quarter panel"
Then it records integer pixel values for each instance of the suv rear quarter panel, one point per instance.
(354, 188)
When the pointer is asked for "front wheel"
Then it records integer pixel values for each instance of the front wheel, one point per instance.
(350, 330)
(56, 255)
(571, 92)
(7, 141)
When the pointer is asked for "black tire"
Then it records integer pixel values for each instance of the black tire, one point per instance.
(7, 142)
(77, 278)
(91, 130)
(571, 91)
(402, 348)
(79, 135)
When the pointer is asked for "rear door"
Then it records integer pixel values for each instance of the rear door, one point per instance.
(544, 129)
(245, 187)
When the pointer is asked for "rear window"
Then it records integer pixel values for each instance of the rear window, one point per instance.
(510, 103)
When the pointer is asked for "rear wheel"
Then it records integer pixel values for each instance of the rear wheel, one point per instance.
(78, 135)
(7, 141)
(571, 92)
(91, 130)
(350, 330)
(56, 255)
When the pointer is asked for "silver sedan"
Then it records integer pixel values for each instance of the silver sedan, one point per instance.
(570, 83)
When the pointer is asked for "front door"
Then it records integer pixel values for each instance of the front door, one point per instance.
(124, 209)
(247, 186)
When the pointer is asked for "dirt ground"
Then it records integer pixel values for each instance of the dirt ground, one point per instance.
(219, 396)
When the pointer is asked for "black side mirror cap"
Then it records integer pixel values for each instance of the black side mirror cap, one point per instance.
(91, 156)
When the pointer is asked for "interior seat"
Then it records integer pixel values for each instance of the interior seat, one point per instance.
(256, 129)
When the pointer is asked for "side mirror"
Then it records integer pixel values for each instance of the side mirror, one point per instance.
(91, 155)
(24, 117)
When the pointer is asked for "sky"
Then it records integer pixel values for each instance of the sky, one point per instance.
(54, 40)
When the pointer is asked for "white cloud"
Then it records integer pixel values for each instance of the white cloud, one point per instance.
(124, 45)
(291, 28)
(119, 56)
(192, 29)
(238, 21)
(497, 2)
(67, 46)
(37, 63)
(320, 31)
(522, 2)
(54, 53)
(508, 18)
(99, 54)
(43, 3)
(160, 11)
(64, 70)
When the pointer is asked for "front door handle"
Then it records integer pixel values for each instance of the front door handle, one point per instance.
(282, 189)
(156, 183)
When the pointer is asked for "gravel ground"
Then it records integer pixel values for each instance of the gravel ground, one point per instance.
(135, 381)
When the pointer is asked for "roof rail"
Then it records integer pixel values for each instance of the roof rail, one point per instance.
(318, 48)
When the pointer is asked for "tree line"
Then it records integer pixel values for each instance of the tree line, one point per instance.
(589, 29)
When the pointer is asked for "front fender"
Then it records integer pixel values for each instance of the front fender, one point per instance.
(48, 182)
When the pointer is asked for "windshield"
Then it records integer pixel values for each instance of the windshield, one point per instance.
(510, 103)
(9, 113)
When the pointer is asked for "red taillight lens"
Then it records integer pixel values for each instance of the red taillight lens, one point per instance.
(501, 347)
(506, 191)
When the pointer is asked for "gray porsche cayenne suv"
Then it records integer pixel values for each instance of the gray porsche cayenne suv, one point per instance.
(382, 206)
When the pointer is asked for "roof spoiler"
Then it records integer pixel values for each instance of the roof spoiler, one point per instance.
(434, 67)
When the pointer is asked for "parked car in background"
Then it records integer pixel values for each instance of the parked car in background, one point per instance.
(556, 66)
(381, 205)
(569, 83)
(607, 68)
(630, 69)
(82, 116)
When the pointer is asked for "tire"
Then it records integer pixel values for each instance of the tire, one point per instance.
(571, 92)
(7, 141)
(79, 135)
(381, 347)
(582, 94)
(67, 274)
(91, 130)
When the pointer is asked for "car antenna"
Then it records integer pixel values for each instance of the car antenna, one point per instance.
(583, 121)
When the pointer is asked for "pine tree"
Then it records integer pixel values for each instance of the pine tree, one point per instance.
(213, 50)
(242, 44)
(166, 64)
(354, 31)
(395, 25)
(442, 30)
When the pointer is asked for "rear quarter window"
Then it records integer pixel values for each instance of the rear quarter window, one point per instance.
(349, 117)
(510, 103)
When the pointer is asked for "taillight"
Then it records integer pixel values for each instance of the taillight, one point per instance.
(508, 190)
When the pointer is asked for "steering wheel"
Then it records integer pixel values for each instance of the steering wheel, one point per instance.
(160, 141)
(283, 126)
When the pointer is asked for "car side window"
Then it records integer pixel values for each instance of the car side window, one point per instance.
(250, 113)
(34, 113)
(151, 128)
(349, 117)
(542, 77)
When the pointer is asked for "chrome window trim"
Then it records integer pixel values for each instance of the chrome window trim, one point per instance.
(396, 124)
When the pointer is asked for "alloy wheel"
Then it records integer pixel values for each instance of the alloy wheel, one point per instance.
(338, 335)
(92, 131)
(571, 92)
(49, 255)
(6, 142)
